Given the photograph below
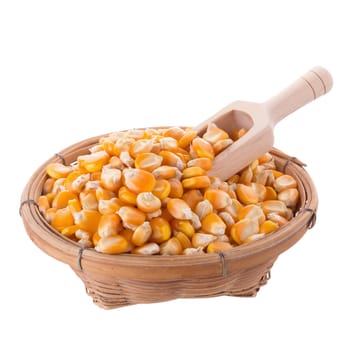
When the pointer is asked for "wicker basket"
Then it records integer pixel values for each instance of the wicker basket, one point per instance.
(118, 280)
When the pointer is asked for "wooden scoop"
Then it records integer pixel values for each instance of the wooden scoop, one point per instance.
(260, 119)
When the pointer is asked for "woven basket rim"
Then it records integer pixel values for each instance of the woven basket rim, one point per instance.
(67, 251)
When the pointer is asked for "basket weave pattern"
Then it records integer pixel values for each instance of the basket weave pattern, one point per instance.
(119, 280)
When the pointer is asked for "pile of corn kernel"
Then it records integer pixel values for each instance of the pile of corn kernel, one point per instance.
(147, 192)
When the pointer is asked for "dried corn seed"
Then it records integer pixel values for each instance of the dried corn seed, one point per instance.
(138, 180)
(202, 148)
(147, 249)
(187, 138)
(174, 132)
(214, 134)
(111, 178)
(289, 196)
(176, 189)
(168, 143)
(127, 196)
(179, 209)
(43, 204)
(148, 202)
(142, 234)
(62, 198)
(140, 146)
(148, 161)
(218, 198)
(220, 145)
(87, 220)
(109, 206)
(268, 226)
(58, 170)
(196, 182)
(193, 251)
(109, 225)
(154, 214)
(115, 244)
(79, 183)
(88, 200)
(246, 194)
(48, 185)
(196, 223)
(131, 217)
(278, 219)
(238, 133)
(184, 240)
(252, 211)
(165, 172)
(274, 206)
(227, 219)
(202, 239)
(95, 239)
(212, 223)
(192, 171)
(94, 161)
(270, 193)
(116, 163)
(284, 182)
(172, 159)
(218, 247)
(162, 188)
(204, 163)
(171, 247)
(184, 226)
(161, 230)
(244, 228)
(192, 198)
(246, 176)
(266, 157)
(254, 237)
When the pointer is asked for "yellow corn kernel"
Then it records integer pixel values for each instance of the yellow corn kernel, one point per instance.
(108, 145)
(109, 225)
(254, 237)
(161, 230)
(202, 148)
(274, 206)
(246, 176)
(138, 180)
(79, 183)
(165, 172)
(270, 193)
(62, 218)
(62, 198)
(201, 239)
(87, 220)
(212, 223)
(266, 157)
(148, 202)
(234, 179)
(246, 194)
(127, 234)
(102, 193)
(131, 217)
(284, 182)
(218, 247)
(50, 214)
(168, 144)
(171, 247)
(187, 138)
(214, 134)
(289, 196)
(196, 223)
(238, 133)
(192, 198)
(184, 226)
(192, 171)
(74, 205)
(204, 163)
(193, 251)
(172, 159)
(176, 189)
(148, 161)
(127, 196)
(220, 145)
(184, 240)
(174, 132)
(48, 185)
(218, 198)
(203, 208)
(58, 170)
(154, 214)
(58, 185)
(70, 178)
(115, 163)
(88, 200)
(147, 249)
(196, 182)
(111, 178)
(95, 238)
(122, 144)
(94, 161)
(142, 234)
(115, 244)
(179, 209)
(69, 231)
(227, 219)
(126, 159)
(268, 226)
(141, 146)
(43, 204)
(234, 208)
(278, 219)
(109, 206)
(244, 228)
(162, 188)
(83, 235)
(252, 211)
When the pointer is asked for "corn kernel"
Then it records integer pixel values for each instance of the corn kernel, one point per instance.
(161, 230)
(202, 148)
(192, 198)
(138, 180)
(111, 178)
(172, 159)
(218, 247)
(162, 188)
(204, 163)
(131, 217)
(171, 247)
(289, 196)
(187, 138)
(148, 161)
(246, 194)
(284, 182)
(184, 226)
(127, 196)
(176, 188)
(238, 133)
(252, 211)
(62, 218)
(274, 206)
(179, 209)
(192, 171)
(62, 198)
(202, 239)
(268, 226)
(184, 240)
(109, 225)
(212, 223)
(220, 145)
(140, 146)
(142, 234)
(196, 182)
(214, 134)
(94, 161)
(109, 206)
(147, 249)
(244, 228)
(115, 244)
(58, 170)
(218, 198)
(148, 202)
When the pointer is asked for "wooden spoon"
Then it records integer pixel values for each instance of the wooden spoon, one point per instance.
(260, 119)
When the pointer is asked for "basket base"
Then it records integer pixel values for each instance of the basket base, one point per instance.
(119, 292)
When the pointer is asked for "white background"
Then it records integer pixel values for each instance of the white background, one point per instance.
(70, 70)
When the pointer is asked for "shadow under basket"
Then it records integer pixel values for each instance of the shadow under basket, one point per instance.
(119, 280)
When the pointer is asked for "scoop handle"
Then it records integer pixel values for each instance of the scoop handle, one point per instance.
(313, 84)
